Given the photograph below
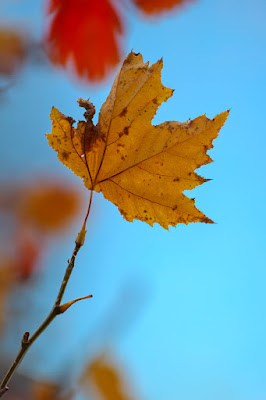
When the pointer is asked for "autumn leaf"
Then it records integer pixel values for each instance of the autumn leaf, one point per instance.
(105, 376)
(34, 211)
(28, 248)
(157, 6)
(45, 391)
(48, 206)
(85, 32)
(141, 168)
(7, 281)
(12, 51)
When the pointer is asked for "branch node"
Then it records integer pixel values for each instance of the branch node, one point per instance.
(25, 339)
(57, 309)
(3, 390)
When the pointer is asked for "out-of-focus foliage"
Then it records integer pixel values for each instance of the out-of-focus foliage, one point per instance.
(141, 168)
(104, 376)
(88, 33)
(84, 36)
(28, 250)
(48, 206)
(45, 391)
(25, 388)
(7, 279)
(35, 211)
(12, 50)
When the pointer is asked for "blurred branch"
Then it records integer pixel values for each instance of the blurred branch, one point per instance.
(28, 340)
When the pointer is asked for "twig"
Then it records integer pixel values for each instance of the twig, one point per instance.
(28, 340)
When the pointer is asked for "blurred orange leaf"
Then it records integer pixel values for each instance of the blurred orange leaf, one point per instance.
(7, 280)
(45, 391)
(141, 168)
(47, 206)
(32, 211)
(106, 378)
(84, 31)
(12, 51)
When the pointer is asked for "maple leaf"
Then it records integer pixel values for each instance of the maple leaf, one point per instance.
(86, 31)
(141, 168)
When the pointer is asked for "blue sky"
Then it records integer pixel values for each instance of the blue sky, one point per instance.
(199, 325)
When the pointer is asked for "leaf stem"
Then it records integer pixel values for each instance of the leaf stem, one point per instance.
(89, 207)
(28, 340)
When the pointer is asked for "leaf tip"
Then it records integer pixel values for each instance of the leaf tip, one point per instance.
(54, 113)
(207, 220)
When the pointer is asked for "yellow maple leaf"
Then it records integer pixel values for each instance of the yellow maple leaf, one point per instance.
(141, 168)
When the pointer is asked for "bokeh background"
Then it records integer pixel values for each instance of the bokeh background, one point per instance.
(176, 314)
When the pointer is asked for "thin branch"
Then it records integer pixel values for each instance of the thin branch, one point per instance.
(67, 276)
(28, 340)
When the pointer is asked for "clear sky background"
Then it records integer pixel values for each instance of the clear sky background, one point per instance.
(183, 311)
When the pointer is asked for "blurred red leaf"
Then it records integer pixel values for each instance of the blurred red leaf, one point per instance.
(86, 31)
(157, 6)
(28, 250)
(34, 211)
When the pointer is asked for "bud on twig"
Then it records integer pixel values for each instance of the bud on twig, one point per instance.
(63, 307)
(25, 339)
(80, 239)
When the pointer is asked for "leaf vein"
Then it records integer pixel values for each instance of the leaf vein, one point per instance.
(137, 195)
